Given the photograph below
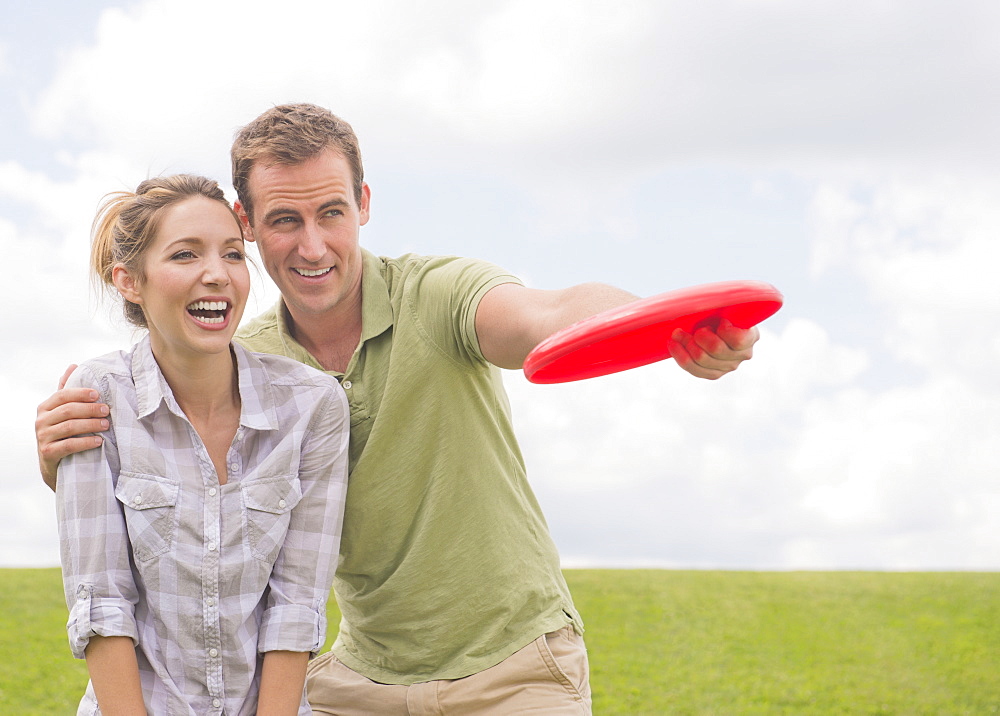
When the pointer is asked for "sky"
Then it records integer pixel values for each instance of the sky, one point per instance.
(847, 152)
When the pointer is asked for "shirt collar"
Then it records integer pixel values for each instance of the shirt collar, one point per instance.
(151, 389)
(376, 310)
(258, 408)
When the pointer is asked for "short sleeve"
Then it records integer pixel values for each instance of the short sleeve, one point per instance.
(444, 296)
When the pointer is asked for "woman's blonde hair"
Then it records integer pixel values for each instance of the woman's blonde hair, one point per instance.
(126, 223)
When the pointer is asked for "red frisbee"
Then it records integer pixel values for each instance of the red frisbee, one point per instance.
(638, 333)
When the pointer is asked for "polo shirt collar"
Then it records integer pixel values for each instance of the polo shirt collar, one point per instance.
(376, 310)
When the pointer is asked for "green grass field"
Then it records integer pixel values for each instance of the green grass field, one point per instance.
(673, 642)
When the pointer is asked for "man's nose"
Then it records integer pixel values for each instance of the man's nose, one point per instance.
(311, 247)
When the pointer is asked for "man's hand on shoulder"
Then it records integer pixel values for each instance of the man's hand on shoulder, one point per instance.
(711, 354)
(61, 424)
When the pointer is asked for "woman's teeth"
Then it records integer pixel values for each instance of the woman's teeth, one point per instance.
(208, 306)
(209, 311)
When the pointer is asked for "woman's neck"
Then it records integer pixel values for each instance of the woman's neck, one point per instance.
(205, 386)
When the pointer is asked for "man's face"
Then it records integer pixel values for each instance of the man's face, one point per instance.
(306, 223)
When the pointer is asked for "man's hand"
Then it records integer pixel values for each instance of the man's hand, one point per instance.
(711, 354)
(61, 423)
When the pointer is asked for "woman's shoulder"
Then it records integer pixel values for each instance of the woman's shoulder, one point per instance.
(97, 370)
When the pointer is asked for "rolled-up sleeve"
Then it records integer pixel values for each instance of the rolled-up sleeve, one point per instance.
(97, 578)
(300, 584)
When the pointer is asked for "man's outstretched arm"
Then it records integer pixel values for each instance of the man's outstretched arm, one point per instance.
(62, 423)
(512, 319)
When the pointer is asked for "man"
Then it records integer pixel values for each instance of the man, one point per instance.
(449, 583)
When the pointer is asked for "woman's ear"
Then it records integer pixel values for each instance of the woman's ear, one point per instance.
(126, 283)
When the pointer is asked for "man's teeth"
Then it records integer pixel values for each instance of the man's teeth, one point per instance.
(312, 272)
(208, 306)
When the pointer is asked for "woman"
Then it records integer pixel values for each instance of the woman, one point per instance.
(199, 543)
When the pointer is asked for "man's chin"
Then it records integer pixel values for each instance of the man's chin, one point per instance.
(309, 305)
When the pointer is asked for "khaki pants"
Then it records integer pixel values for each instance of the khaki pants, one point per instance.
(547, 677)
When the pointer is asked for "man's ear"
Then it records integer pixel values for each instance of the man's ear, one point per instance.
(365, 206)
(126, 283)
(244, 221)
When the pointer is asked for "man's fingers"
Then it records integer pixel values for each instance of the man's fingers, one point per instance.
(727, 344)
(50, 453)
(65, 377)
(69, 419)
(706, 355)
(64, 429)
(65, 396)
(53, 452)
(738, 339)
(692, 357)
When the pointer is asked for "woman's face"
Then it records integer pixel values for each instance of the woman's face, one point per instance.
(196, 280)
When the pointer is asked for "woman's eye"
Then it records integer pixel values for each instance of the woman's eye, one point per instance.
(183, 255)
(236, 255)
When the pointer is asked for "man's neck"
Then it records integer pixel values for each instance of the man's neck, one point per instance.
(331, 337)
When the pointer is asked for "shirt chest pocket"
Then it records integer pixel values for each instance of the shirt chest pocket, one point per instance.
(150, 506)
(267, 512)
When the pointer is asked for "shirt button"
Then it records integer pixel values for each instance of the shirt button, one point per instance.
(213, 653)
(281, 504)
(211, 546)
(347, 385)
(211, 492)
(216, 703)
(137, 500)
(210, 601)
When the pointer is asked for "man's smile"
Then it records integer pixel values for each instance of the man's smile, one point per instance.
(312, 272)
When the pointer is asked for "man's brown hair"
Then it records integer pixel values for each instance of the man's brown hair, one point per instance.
(291, 134)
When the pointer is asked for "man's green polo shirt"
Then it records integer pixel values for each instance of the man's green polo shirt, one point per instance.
(446, 566)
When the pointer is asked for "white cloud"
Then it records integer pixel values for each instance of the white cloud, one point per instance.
(594, 83)
(926, 249)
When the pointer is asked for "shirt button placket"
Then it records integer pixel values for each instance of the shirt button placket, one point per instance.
(233, 462)
(212, 564)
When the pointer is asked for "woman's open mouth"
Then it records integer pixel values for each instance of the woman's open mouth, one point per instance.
(209, 312)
